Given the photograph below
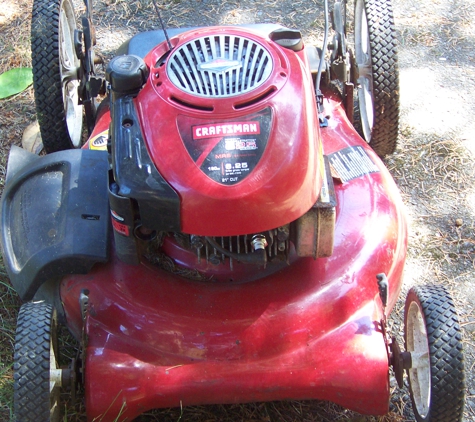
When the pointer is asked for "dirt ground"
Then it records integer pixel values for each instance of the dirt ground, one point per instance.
(433, 165)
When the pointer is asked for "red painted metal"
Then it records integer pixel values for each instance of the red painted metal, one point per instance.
(308, 330)
(268, 193)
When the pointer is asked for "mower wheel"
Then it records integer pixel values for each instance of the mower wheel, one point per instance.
(56, 74)
(433, 337)
(37, 378)
(376, 115)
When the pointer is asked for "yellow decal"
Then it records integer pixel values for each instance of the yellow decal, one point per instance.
(99, 142)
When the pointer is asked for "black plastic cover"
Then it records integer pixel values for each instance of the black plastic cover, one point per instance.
(287, 38)
(127, 74)
(123, 224)
(136, 174)
(142, 43)
(54, 215)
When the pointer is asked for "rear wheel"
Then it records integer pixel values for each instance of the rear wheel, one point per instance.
(432, 336)
(55, 74)
(37, 377)
(377, 105)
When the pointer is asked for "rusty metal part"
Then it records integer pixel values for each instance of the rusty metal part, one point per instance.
(315, 229)
(354, 73)
(69, 378)
(349, 101)
(399, 361)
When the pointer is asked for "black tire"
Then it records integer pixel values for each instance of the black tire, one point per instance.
(377, 108)
(55, 76)
(35, 353)
(436, 379)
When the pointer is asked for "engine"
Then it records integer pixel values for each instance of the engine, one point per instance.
(216, 152)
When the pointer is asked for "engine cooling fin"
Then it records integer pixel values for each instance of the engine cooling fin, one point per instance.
(219, 66)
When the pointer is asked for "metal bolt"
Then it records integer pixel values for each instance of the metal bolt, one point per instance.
(283, 233)
(214, 259)
(258, 242)
(196, 242)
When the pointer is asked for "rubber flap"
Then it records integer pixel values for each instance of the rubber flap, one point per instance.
(55, 216)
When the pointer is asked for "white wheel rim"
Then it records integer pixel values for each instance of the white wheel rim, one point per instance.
(365, 77)
(417, 344)
(69, 65)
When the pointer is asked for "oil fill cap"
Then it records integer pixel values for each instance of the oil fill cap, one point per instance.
(127, 74)
(287, 38)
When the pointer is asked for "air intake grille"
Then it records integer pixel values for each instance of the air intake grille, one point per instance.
(219, 66)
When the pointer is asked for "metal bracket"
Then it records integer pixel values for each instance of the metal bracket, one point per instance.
(349, 101)
(383, 287)
(84, 305)
(339, 60)
(315, 229)
(399, 361)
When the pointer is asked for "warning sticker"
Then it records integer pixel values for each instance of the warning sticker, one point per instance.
(227, 151)
(351, 163)
(99, 142)
(120, 228)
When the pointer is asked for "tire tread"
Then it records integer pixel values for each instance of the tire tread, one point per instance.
(385, 70)
(45, 58)
(446, 353)
(32, 362)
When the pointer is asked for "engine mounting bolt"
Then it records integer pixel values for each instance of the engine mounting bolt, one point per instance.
(196, 242)
(282, 233)
(214, 259)
(258, 242)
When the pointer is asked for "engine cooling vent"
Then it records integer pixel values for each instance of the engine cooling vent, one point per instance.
(218, 66)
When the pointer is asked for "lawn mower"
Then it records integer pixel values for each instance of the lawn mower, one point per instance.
(228, 232)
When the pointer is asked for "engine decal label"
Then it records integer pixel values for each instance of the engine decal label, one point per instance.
(227, 151)
(235, 128)
(351, 163)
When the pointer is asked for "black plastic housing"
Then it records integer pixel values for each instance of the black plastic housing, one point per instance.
(142, 43)
(123, 222)
(136, 174)
(54, 216)
(126, 74)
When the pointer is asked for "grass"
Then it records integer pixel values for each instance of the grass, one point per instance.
(8, 312)
(14, 52)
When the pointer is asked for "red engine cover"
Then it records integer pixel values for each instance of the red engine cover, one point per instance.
(241, 163)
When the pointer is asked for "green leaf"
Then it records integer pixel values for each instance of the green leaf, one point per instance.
(15, 81)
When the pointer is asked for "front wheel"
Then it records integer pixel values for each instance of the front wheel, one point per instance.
(37, 377)
(432, 336)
